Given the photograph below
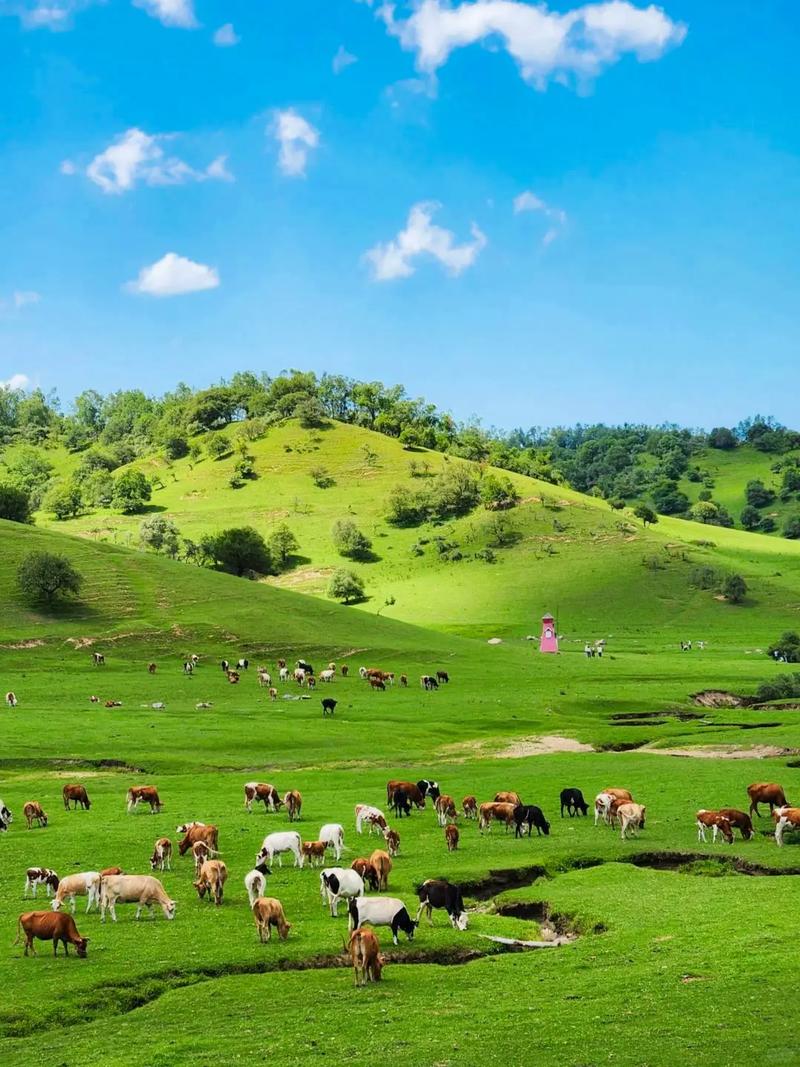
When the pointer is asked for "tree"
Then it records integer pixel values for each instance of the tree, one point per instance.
(321, 477)
(708, 512)
(646, 514)
(787, 648)
(44, 576)
(346, 586)
(175, 446)
(722, 437)
(218, 445)
(311, 413)
(767, 524)
(160, 534)
(791, 528)
(349, 541)
(405, 508)
(241, 549)
(498, 493)
(757, 494)
(132, 490)
(791, 479)
(281, 544)
(734, 588)
(667, 497)
(63, 499)
(750, 517)
(15, 503)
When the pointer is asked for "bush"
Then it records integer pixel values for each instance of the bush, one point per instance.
(767, 524)
(219, 445)
(712, 514)
(787, 648)
(45, 576)
(454, 492)
(750, 518)
(132, 491)
(321, 477)
(281, 544)
(15, 503)
(176, 446)
(63, 500)
(704, 578)
(646, 514)
(346, 586)
(498, 493)
(502, 533)
(722, 437)
(791, 528)
(160, 534)
(734, 588)
(787, 687)
(240, 549)
(349, 541)
(405, 508)
(668, 499)
(757, 494)
(791, 479)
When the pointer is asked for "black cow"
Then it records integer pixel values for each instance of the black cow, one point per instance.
(442, 676)
(533, 816)
(428, 682)
(439, 893)
(400, 805)
(328, 706)
(572, 800)
(303, 666)
(429, 788)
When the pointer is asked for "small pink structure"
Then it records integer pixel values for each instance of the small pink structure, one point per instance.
(548, 642)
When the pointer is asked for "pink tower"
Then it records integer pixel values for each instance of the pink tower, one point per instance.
(548, 642)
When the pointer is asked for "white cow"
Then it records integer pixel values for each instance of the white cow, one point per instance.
(143, 890)
(328, 675)
(86, 884)
(631, 817)
(276, 844)
(284, 674)
(786, 818)
(602, 807)
(374, 817)
(339, 883)
(255, 882)
(332, 833)
(382, 911)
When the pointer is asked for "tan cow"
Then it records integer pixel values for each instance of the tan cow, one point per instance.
(162, 855)
(314, 851)
(140, 889)
(631, 817)
(714, 821)
(77, 794)
(211, 880)
(143, 794)
(365, 869)
(500, 812)
(261, 791)
(383, 865)
(34, 813)
(469, 805)
(198, 832)
(268, 912)
(766, 793)
(200, 852)
(293, 801)
(85, 884)
(451, 836)
(445, 808)
(507, 798)
(364, 950)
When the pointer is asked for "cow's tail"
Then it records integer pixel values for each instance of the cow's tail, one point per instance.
(19, 930)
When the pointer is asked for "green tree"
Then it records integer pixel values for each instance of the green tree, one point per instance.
(30, 469)
(767, 524)
(498, 492)
(750, 517)
(45, 576)
(791, 479)
(175, 446)
(218, 445)
(346, 586)
(757, 494)
(667, 497)
(349, 541)
(787, 648)
(281, 544)
(646, 514)
(723, 438)
(15, 503)
(405, 508)
(734, 588)
(63, 499)
(241, 549)
(791, 528)
(160, 535)
(132, 491)
(98, 489)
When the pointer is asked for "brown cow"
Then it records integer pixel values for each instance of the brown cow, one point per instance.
(501, 812)
(233, 677)
(314, 851)
(411, 789)
(293, 801)
(152, 668)
(451, 836)
(766, 793)
(378, 683)
(207, 834)
(34, 813)
(740, 821)
(268, 912)
(162, 855)
(507, 798)
(263, 791)
(366, 869)
(344, 670)
(404, 681)
(392, 839)
(109, 872)
(143, 794)
(445, 808)
(50, 926)
(211, 880)
(382, 863)
(785, 819)
(716, 822)
(469, 805)
(201, 852)
(77, 794)
(364, 950)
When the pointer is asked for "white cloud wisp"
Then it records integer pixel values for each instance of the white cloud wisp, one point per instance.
(174, 275)
(421, 237)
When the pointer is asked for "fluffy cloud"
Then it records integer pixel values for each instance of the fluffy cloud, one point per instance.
(421, 237)
(16, 381)
(342, 60)
(178, 13)
(174, 275)
(226, 36)
(138, 157)
(296, 138)
(557, 218)
(546, 44)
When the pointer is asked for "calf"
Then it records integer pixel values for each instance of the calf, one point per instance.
(404, 681)
(339, 883)
(293, 802)
(11, 699)
(451, 836)
(188, 667)
(328, 675)
(507, 798)
(439, 893)
(255, 882)
(382, 863)
(36, 876)
(392, 839)
(6, 818)
(77, 795)
(740, 821)
(34, 813)
(785, 818)
(200, 853)
(572, 800)
(328, 706)
(332, 833)
(631, 817)
(372, 816)
(714, 821)
(530, 815)
(162, 855)
(233, 677)
(264, 792)
(242, 664)
(211, 880)
(366, 870)
(209, 835)
(445, 808)
(276, 844)
(469, 805)
(264, 679)
(152, 668)
(364, 950)
(345, 670)
(428, 683)
(268, 912)
(45, 926)
(140, 889)
(143, 794)
(86, 884)
(378, 683)
(382, 911)
(273, 693)
(401, 805)
(314, 852)
(766, 793)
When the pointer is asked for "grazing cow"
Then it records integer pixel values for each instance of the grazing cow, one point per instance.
(382, 863)
(6, 818)
(225, 666)
(268, 912)
(233, 677)
(194, 658)
(740, 821)
(242, 664)
(392, 839)
(311, 682)
(428, 683)
(77, 794)
(332, 833)
(34, 813)
(262, 791)
(530, 815)
(303, 666)
(276, 844)
(152, 668)
(442, 676)
(98, 659)
(255, 882)
(365, 955)
(143, 794)
(299, 676)
(44, 926)
(86, 884)
(36, 876)
(185, 827)
(188, 667)
(362, 672)
(366, 870)
(339, 883)
(377, 683)
(404, 681)
(162, 855)
(603, 802)
(785, 818)
(345, 670)
(195, 832)
(283, 674)
(200, 853)
(572, 800)
(374, 817)
(445, 808)
(714, 821)
(411, 789)
(401, 805)
(211, 880)
(273, 693)
(314, 852)
(327, 676)
(382, 911)
(439, 893)
(328, 706)
(11, 699)
(264, 679)
(140, 889)
(293, 802)
(113, 704)
(451, 836)
(766, 793)
(631, 817)
(204, 704)
(507, 798)
(94, 700)
(501, 812)
(469, 805)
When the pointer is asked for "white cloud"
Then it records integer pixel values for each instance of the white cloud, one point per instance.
(545, 44)
(342, 60)
(557, 218)
(136, 156)
(46, 16)
(421, 237)
(297, 138)
(226, 36)
(177, 13)
(16, 381)
(25, 296)
(174, 275)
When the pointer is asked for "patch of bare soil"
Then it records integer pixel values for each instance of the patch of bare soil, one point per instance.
(542, 746)
(717, 698)
(34, 642)
(724, 752)
(302, 577)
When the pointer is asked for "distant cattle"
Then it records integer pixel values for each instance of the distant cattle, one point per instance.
(143, 794)
(327, 676)
(428, 787)
(377, 683)
(345, 670)
(225, 666)
(339, 883)
(603, 802)
(76, 794)
(445, 808)
(45, 926)
(152, 668)
(740, 821)
(264, 679)
(404, 681)
(255, 882)
(34, 813)
(439, 893)
(328, 706)
(98, 659)
(392, 839)
(311, 681)
(714, 821)
(469, 805)
(785, 818)
(530, 815)
(381, 911)
(242, 664)
(275, 845)
(162, 855)
(86, 884)
(631, 818)
(6, 818)
(209, 835)
(766, 793)
(273, 693)
(36, 876)
(401, 805)
(113, 704)
(268, 912)
(364, 951)
(188, 667)
(283, 674)
(143, 890)
(332, 833)
(293, 802)
(428, 682)
(11, 699)
(302, 665)
(367, 872)
(211, 880)
(442, 676)
(264, 792)
(499, 812)
(451, 836)
(233, 677)
(572, 800)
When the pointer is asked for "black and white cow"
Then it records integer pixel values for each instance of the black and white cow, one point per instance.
(572, 800)
(303, 666)
(36, 876)
(328, 706)
(439, 893)
(225, 666)
(533, 816)
(6, 818)
(428, 788)
(382, 911)
(98, 659)
(242, 664)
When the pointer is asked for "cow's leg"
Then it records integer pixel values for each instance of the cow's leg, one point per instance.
(138, 910)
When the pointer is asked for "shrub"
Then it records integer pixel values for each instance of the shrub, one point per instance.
(734, 588)
(321, 477)
(240, 549)
(704, 577)
(667, 498)
(405, 508)
(349, 541)
(219, 445)
(750, 517)
(787, 687)
(791, 528)
(175, 446)
(722, 437)
(346, 586)
(502, 533)
(791, 479)
(63, 499)
(712, 514)
(281, 544)
(788, 647)
(15, 503)
(45, 576)
(646, 514)
(767, 524)
(132, 490)
(159, 534)
(454, 492)
(498, 493)
(757, 494)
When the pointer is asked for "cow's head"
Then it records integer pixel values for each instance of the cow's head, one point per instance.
(43, 818)
(260, 858)
(263, 869)
(80, 946)
(56, 904)
(546, 828)
(202, 887)
(460, 921)
(169, 909)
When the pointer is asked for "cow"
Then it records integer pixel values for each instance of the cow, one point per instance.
(77, 794)
(203, 704)
(428, 788)
(268, 912)
(328, 706)
(469, 805)
(363, 867)
(143, 794)
(345, 670)
(98, 659)
(200, 853)
(45, 926)
(442, 676)
(428, 683)
(372, 816)
(531, 815)
(314, 852)
(507, 798)
(339, 883)
(766, 793)
(86, 884)
(740, 821)
(445, 808)
(283, 674)
(264, 679)
(273, 693)
(411, 789)
(332, 833)
(364, 950)
(327, 676)
(242, 664)
(714, 821)
(211, 880)
(451, 836)
(143, 890)
(401, 805)
(225, 666)
(275, 845)
(381, 911)
(110, 870)
(382, 863)
(34, 813)
(264, 792)
(162, 855)
(6, 818)
(113, 704)
(404, 681)
(188, 667)
(439, 893)
(255, 882)
(185, 827)
(362, 672)
(501, 812)
(293, 802)
(36, 876)
(152, 668)
(377, 683)
(195, 832)
(311, 681)
(11, 699)
(604, 800)
(572, 800)
(233, 677)
(785, 818)
(392, 839)
(299, 676)
(631, 817)
(301, 665)
(281, 664)
(94, 700)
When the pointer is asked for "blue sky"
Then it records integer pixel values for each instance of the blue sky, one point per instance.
(535, 214)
